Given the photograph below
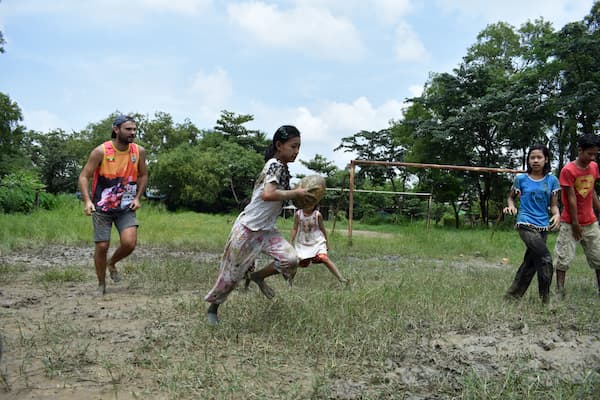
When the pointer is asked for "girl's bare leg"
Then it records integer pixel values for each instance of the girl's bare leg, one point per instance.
(259, 276)
(333, 269)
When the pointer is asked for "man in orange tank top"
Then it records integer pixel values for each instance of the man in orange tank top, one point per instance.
(119, 173)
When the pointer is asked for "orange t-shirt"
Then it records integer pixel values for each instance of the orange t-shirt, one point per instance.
(582, 181)
(115, 180)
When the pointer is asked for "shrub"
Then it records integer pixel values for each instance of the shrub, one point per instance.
(449, 220)
(22, 191)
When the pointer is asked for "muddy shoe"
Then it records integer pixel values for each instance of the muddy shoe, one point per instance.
(560, 294)
(213, 319)
(114, 275)
(511, 297)
(545, 299)
(264, 288)
(100, 291)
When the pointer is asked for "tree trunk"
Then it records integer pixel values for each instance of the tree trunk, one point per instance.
(456, 216)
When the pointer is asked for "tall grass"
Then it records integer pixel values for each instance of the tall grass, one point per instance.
(67, 224)
(189, 230)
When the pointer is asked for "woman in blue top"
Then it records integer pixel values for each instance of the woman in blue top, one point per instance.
(537, 191)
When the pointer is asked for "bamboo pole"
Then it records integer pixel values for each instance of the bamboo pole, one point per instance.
(380, 191)
(437, 166)
(353, 163)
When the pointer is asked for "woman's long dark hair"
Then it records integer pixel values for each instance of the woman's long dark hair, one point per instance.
(546, 153)
(282, 134)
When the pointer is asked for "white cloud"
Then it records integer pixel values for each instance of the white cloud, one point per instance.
(42, 120)
(415, 90)
(390, 10)
(111, 10)
(517, 12)
(215, 89)
(408, 45)
(386, 10)
(304, 28)
(175, 6)
(323, 129)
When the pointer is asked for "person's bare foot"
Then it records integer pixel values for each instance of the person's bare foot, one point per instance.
(264, 288)
(114, 275)
(100, 291)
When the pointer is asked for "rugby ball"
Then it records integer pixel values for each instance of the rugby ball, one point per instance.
(315, 185)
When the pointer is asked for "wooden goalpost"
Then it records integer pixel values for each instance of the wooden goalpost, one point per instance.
(354, 163)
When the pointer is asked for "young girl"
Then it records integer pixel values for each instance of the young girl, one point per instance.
(537, 190)
(254, 230)
(310, 239)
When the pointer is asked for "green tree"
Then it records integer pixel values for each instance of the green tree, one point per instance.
(12, 137)
(162, 134)
(374, 146)
(58, 158)
(231, 126)
(242, 168)
(530, 109)
(21, 192)
(446, 187)
(577, 50)
(321, 165)
(470, 119)
(206, 178)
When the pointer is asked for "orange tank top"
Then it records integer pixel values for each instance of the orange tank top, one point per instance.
(115, 180)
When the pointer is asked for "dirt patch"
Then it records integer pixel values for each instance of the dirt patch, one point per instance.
(62, 256)
(370, 234)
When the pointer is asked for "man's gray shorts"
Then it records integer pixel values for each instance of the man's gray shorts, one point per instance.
(103, 223)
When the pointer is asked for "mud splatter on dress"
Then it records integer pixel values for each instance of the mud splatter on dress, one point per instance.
(254, 232)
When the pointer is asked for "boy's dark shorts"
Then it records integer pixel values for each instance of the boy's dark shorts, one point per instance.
(103, 223)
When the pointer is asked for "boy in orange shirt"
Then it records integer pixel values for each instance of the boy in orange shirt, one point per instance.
(578, 221)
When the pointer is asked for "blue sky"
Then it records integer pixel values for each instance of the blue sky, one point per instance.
(330, 67)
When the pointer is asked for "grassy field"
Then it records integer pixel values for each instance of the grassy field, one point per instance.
(423, 318)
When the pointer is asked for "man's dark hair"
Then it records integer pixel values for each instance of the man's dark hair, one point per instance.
(118, 121)
(588, 140)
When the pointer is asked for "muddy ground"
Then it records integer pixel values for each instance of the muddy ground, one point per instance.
(562, 351)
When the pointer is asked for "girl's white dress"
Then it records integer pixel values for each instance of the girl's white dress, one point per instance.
(310, 241)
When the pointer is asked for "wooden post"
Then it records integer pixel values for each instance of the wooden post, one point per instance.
(351, 202)
(339, 203)
(428, 211)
